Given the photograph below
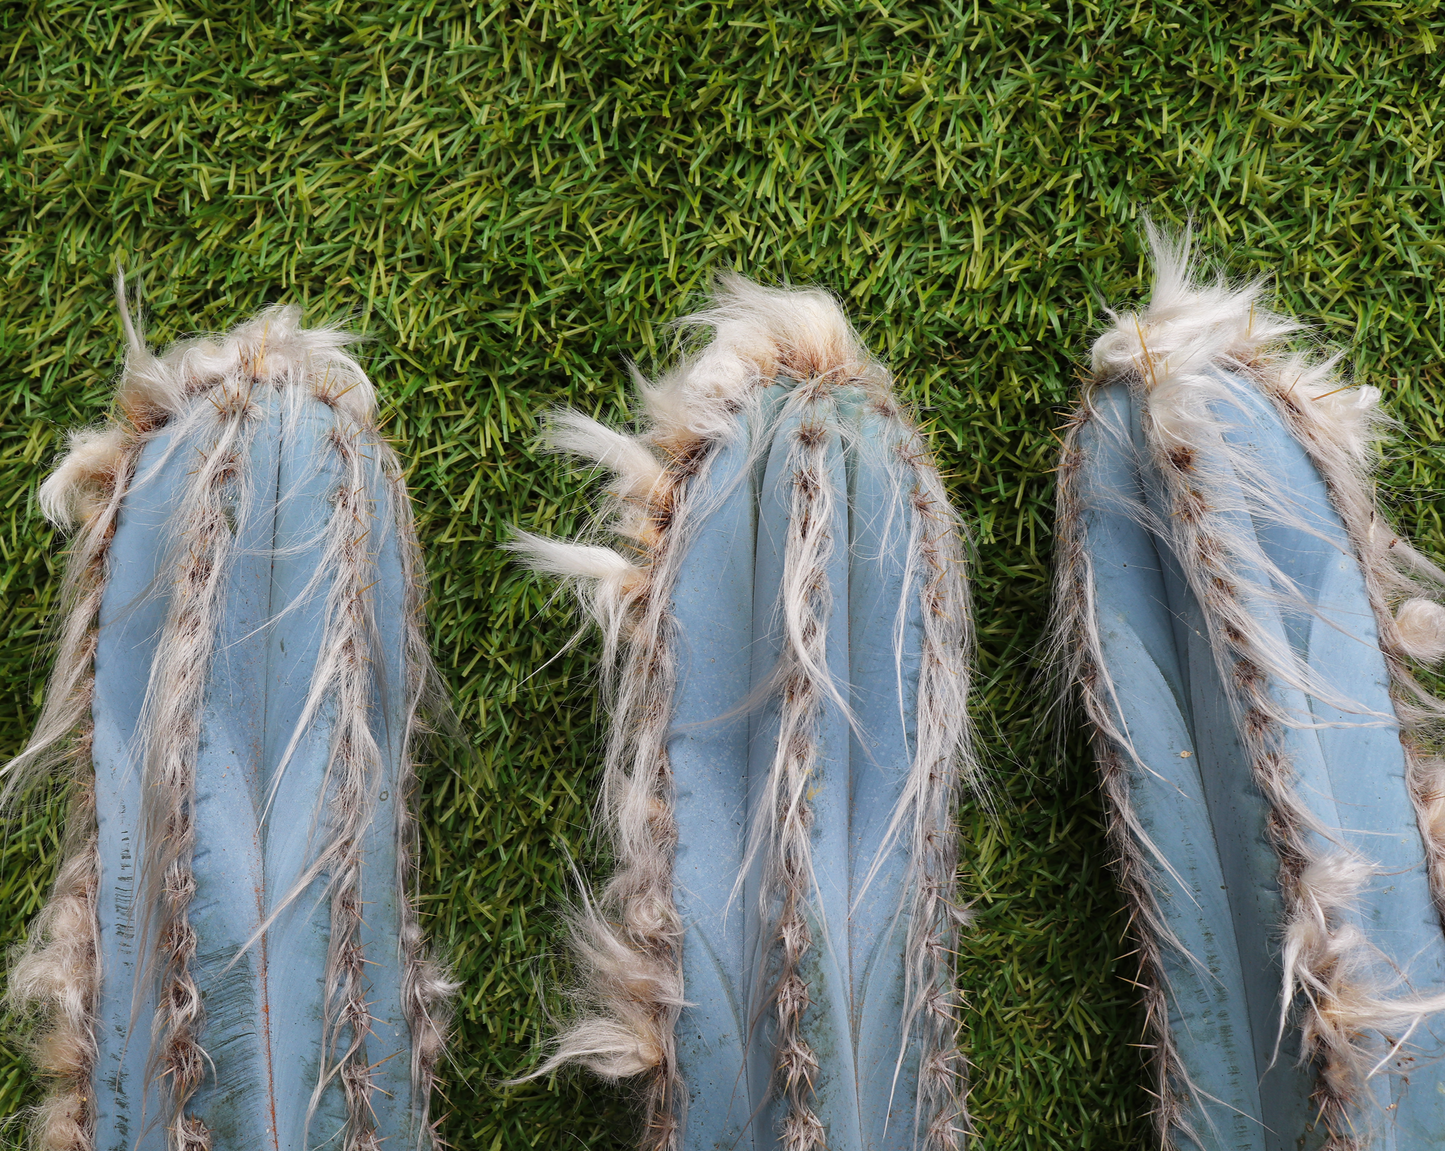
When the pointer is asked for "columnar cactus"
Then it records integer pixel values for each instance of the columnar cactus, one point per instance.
(786, 633)
(230, 958)
(1238, 618)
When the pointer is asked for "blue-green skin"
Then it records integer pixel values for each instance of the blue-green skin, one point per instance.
(1204, 813)
(727, 643)
(263, 1011)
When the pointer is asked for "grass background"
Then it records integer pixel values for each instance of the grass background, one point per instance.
(514, 197)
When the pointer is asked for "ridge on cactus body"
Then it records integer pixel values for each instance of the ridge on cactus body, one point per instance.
(1236, 614)
(786, 632)
(230, 958)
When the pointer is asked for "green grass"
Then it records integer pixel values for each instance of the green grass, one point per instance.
(513, 198)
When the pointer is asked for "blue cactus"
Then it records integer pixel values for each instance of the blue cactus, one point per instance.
(230, 958)
(786, 630)
(1225, 595)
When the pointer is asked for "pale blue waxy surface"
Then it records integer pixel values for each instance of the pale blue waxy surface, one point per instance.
(1203, 813)
(724, 737)
(255, 833)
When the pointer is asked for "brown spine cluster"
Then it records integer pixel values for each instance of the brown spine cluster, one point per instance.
(59, 977)
(943, 758)
(427, 989)
(355, 760)
(56, 974)
(626, 938)
(1078, 666)
(205, 542)
(639, 893)
(804, 656)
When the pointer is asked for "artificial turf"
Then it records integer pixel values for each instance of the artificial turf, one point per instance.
(513, 198)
